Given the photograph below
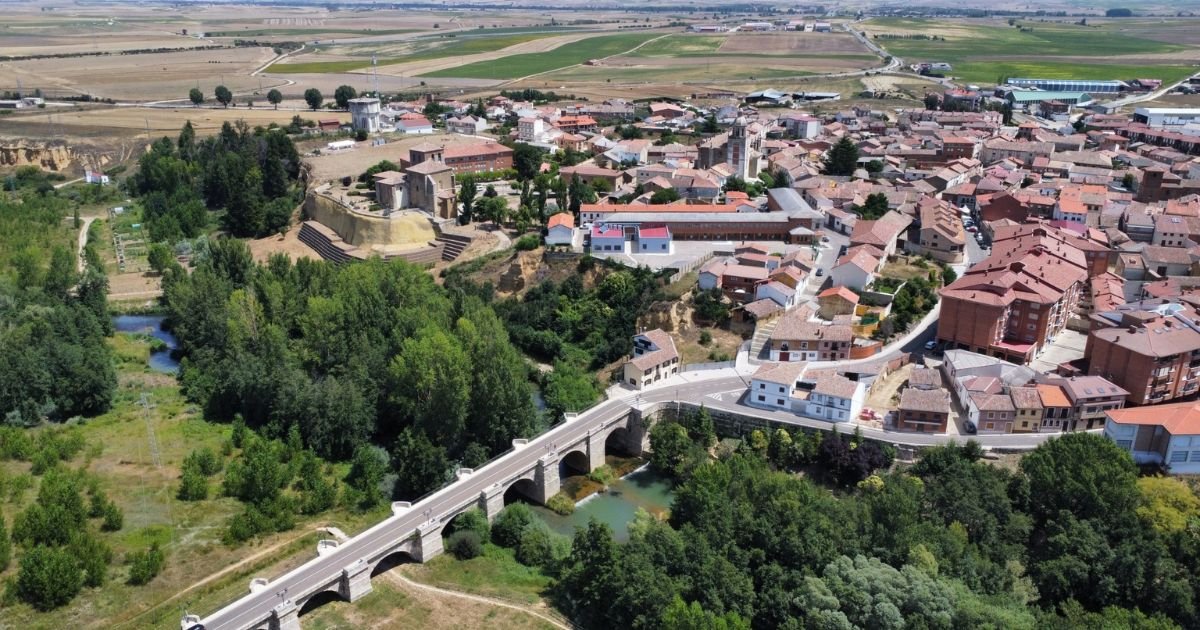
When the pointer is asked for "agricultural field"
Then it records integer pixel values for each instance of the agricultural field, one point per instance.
(516, 66)
(982, 51)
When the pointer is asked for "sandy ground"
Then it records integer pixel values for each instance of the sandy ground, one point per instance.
(287, 243)
(144, 76)
(337, 165)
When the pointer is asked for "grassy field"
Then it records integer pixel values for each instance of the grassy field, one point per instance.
(451, 48)
(495, 574)
(574, 53)
(984, 51)
(708, 72)
(682, 45)
(286, 32)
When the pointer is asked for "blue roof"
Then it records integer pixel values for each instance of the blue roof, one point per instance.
(1038, 96)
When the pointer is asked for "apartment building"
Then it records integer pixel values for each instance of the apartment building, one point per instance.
(1016, 301)
(654, 358)
(800, 337)
(1150, 348)
(941, 234)
(1091, 398)
(1164, 435)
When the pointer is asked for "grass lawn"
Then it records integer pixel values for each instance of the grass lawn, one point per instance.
(682, 46)
(496, 574)
(515, 66)
(713, 72)
(446, 48)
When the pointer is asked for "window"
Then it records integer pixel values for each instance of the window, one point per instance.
(1178, 457)
(991, 414)
(761, 398)
(1125, 444)
(990, 426)
(779, 401)
(1196, 456)
(762, 385)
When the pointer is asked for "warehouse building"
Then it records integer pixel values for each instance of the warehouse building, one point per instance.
(1072, 85)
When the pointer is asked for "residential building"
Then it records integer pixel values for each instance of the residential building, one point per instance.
(467, 125)
(827, 395)
(479, 157)
(885, 234)
(654, 358)
(992, 412)
(1151, 349)
(799, 337)
(560, 230)
(923, 410)
(607, 239)
(1056, 407)
(1015, 301)
(836, 300)
(1162, 435)
(654, 240)
(856, 268)
(774, 385)
(1028, 404)
(941, 234)
(1091, 397)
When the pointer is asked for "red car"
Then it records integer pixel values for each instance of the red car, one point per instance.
(972, 229)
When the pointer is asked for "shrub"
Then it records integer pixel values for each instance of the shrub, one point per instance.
(512, 520)
(705, 337)
(144, 565)
(528, 242)
(114, 519)
(561, 504)
(535, 548)
(602, 475)
(472, 521)
(360, 135)
(465, 545)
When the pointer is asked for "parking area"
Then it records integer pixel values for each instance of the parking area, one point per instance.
(1068, 346)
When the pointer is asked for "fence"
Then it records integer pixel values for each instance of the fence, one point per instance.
(686, 268)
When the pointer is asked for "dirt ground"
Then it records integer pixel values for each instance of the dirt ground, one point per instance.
(793, 43)
(885, 396)
(337, 165)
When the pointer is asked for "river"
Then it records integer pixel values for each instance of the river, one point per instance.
(160, 361)
(642, 488)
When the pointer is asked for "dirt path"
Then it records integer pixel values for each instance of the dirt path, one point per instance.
(404, 582)
(83, 236)
(223, 572)
(541, 45)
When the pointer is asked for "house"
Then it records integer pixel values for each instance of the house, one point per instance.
(739, 281)
(883, 233)
(1028, 404)
(560, 230)
(607, 239)
(654, 358)
(773, 385)
(414, 125)
(797, 337)
(654, 240)
(467, 125)
(778, 292)
(666, 110)
(923, 410)
(827, 395)
(941, 235)
(836, 300)
(1163, 435)
(856, 269)
(1056, 407)
(991, 412)
(709, 276)
(1091, 397)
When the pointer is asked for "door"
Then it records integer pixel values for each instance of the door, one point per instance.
(784, 355)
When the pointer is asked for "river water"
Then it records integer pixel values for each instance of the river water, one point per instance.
(160, 361)
(642, 488)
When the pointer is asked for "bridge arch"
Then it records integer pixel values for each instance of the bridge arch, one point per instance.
(617, 443)
(522, 490)
(574, 463)
(317, 600)
(391, 561)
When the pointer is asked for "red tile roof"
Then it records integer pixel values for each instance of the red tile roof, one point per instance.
(1177, 418)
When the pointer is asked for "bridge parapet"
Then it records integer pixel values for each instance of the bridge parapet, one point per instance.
(400, 507)
(463, 473)
(356, 580)
(326, 546)
(258, 584)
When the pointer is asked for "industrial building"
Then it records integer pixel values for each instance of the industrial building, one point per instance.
(1166, 116)
(1072, 85)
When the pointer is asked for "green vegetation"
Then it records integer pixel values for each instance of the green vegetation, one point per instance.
(515, 66)
(277, 32)
(682, 46)
(952, 542)
(334, 359)
(252, 175)
(983, 53)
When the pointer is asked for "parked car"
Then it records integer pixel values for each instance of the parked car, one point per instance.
(820, 271)
(972, 229)
(931, 344)
(969, 427)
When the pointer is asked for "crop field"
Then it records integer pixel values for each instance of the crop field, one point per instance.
(534, 63)
(982, 51)
(682, 46)
(448, 48)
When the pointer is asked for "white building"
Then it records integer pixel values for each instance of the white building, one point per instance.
(560, 230)
(654, 240)
(654, 358)
(1166, 116)
(1166, 435)
(818, 394)
(777, 292)
(364, 114)
(774, 384)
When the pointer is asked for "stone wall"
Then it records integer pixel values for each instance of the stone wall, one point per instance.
(362, 230)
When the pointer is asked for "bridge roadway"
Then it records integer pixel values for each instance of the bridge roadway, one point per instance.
(719, 390)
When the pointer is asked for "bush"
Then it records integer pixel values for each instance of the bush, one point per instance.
(465, 545)
(144, 565)
(536, 548)
(360, 135)
(705, 337)
(49, 577)
(114, 519)
(561, 504)
(528, 242)
(510, 523)
(472, 521)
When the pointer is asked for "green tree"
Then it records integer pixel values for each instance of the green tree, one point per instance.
(431, 379)
(224, 96)
(670, 449)
(5, 545)
(160, 257)
(49, 577)
(467, 192)
(343, 94)
(1085, 474)
(114, 519)
(664, 196)
(195, 96)
(682, 616)
(874, 207)
(527, 160)
(367, 470)
(589, 574)
(464, 545)
(420, 466)
(275, 97)
(93, 556)
(842, 158)
(192, 485)
(313, 97)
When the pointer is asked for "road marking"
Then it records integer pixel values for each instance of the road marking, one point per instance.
(716, 397)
